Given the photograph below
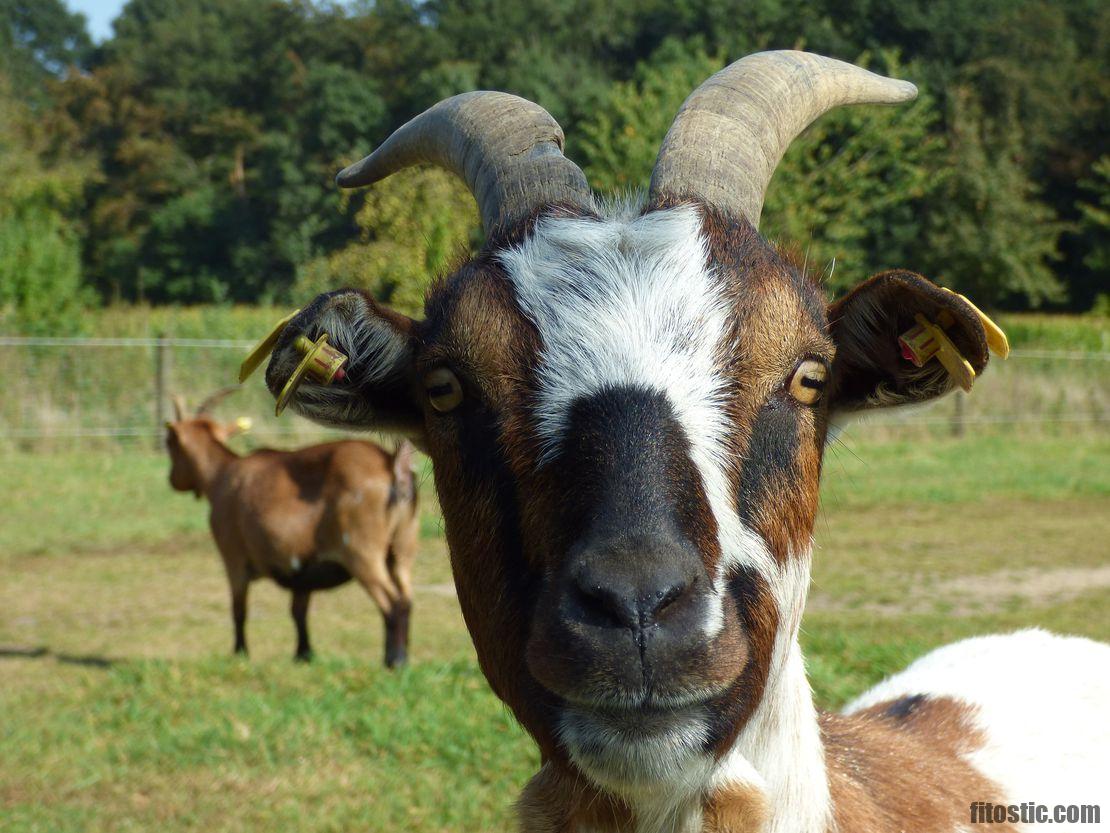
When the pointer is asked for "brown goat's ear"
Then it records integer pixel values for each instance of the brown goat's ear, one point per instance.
(873, 368)
(378, 389)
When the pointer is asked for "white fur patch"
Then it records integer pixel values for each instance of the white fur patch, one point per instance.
(1042, 703)
(631, 301)
(622, 303)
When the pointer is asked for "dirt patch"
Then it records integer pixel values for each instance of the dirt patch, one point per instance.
(986, 593)
(445, 588)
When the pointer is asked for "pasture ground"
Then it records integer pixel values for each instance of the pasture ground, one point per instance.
(121, 708)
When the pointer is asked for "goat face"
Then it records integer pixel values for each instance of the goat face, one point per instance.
(189, 442)
(626, 410)
(626, 417)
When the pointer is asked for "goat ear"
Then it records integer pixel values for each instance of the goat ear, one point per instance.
(872, 368)
(378, 390)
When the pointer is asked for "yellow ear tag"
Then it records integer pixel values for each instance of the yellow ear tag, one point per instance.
(321, 361)
(996, 339)
(243, 424)
(927, 341)
(263, 348)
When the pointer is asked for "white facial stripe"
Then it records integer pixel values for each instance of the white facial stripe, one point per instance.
(781, 741)
(622, 303)
(631, 301)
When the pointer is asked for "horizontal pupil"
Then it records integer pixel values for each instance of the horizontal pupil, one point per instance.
(810, 382)
(440, 390)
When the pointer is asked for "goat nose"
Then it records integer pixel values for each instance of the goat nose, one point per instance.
(615, 598)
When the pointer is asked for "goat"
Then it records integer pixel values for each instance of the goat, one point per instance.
(309, 519)
(626, 408)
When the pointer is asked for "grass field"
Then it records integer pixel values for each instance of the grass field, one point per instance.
(120, 708)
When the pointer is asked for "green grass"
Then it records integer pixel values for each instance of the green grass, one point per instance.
(858, 474)
(204, 744)
(120, 708)
(1040, 331)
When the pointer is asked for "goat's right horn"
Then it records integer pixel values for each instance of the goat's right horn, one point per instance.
(731, 132)
(508, 150)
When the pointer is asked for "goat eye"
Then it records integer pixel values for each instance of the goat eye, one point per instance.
(443, 388)
(808, 382)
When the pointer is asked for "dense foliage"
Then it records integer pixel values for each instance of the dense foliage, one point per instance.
(190, 157)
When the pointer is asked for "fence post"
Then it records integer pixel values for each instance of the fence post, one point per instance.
(958, 414)
(161, 377)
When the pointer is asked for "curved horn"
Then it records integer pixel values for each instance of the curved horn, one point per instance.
(507, 149)
(179, 409)
(730, 134)
(214, 399)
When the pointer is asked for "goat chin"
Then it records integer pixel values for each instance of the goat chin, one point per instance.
(623, 758)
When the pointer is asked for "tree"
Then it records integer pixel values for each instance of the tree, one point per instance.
(40, 38)
(1095, 212)
(986, 233)
(40, 272)
(619, 141)
(850, 192)
(412, 227)
(218, 170)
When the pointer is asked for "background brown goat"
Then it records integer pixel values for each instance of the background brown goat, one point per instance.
(309, 519)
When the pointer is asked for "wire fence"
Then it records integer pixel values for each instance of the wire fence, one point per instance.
(104, 391)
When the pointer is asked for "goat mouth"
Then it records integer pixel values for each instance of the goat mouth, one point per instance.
(642, 716)
(634, 746)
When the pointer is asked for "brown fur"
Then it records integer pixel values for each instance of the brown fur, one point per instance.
(560, 800)
(893, 767)
(296, 515)
(739, 809)
(890, 769)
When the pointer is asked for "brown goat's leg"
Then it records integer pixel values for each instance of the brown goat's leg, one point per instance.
(373, 575)
(239, 615)
(397, 634)
(299, 609)
(397, 626)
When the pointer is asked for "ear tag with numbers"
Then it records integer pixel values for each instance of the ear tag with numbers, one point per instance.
(321, 361)
(928, 340)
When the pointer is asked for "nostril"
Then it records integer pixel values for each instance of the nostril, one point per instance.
(666, 598)
(610, 607)
(606, 601)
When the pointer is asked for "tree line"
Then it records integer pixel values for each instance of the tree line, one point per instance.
(189, 157)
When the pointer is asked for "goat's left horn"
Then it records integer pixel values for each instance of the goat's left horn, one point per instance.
(214, 399)
(730, 134)
(507, 149)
